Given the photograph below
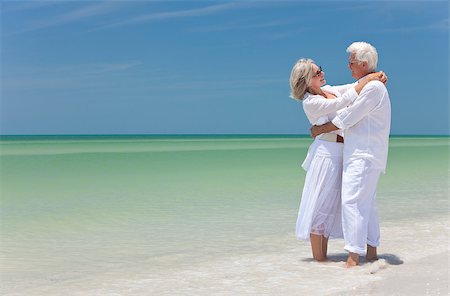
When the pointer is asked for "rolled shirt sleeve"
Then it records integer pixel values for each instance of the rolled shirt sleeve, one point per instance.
(368, 99)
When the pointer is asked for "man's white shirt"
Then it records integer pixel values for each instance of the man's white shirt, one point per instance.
(366, 124)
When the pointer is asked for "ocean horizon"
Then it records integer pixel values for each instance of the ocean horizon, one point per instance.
(6, 136)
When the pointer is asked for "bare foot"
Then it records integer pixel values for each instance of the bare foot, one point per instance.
(352, 260)
(371, 259)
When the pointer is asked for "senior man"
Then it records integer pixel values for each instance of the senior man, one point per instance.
(366, 125)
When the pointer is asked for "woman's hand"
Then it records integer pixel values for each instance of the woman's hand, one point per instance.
(381, 76)
(315, 131)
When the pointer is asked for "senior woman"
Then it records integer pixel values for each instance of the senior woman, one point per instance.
(319, 216)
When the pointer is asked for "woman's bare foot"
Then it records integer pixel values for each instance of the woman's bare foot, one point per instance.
(352, 260)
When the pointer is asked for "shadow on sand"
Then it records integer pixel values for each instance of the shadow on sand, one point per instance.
(390, 259)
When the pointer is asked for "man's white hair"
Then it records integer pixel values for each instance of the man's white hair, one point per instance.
(364, 52)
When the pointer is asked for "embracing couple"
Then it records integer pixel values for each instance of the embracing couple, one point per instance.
(351, 126)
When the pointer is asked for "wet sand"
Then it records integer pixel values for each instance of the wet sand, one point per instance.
(427, 276)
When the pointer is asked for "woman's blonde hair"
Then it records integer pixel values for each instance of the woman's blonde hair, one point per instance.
(301, 76)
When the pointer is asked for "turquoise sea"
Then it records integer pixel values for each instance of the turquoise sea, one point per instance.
(193, 215)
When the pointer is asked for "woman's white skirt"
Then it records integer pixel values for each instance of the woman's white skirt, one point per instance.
(320, 206)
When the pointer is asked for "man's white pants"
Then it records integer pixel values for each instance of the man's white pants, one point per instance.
(359, 211)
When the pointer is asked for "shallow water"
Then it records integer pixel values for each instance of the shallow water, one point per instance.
(192, 215)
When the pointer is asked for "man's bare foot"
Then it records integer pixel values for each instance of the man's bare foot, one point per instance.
(371, 254)
(371, 259)
(352, 260)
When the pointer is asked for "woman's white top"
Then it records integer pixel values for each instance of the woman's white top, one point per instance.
(320, 110)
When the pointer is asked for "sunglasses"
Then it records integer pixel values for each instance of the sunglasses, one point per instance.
(318, 72)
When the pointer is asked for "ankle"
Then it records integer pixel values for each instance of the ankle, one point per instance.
(371, 253)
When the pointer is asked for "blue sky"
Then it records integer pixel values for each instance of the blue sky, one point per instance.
(209, 67)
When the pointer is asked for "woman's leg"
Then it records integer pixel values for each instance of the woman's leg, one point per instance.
(316, 246)
(324, 246)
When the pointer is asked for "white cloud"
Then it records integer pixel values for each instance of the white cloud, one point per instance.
(242, 26)
(17, 6)
(76, 15)
(62, 76)
(442, 25)
(286, 34)
(160, 16)
(217, 85)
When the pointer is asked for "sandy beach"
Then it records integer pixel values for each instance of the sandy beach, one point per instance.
(284, 268)
(427, 276)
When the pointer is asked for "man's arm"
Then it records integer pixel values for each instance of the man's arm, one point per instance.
(322, 129)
